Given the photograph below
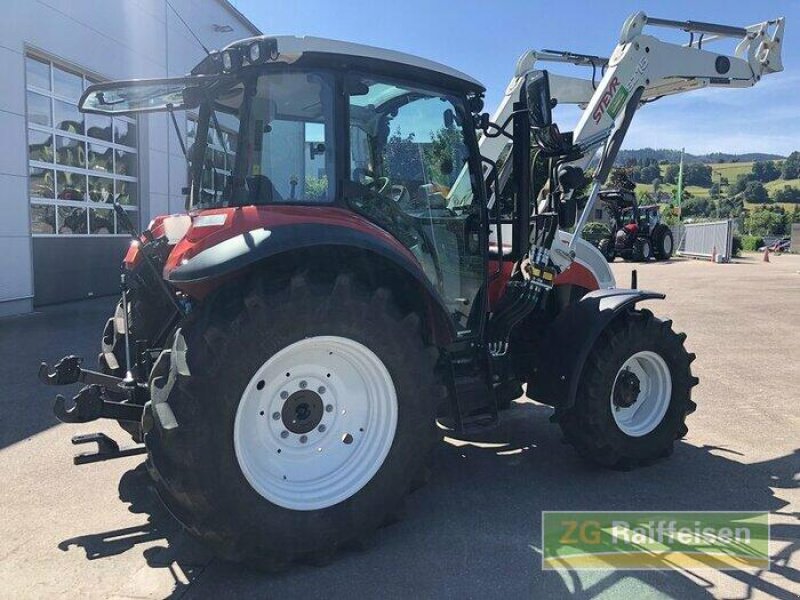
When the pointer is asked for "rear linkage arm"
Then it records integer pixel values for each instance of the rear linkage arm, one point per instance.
(92, 402)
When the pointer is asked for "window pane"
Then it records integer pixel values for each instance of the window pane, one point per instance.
(101, 189)
(98, 126)
(100, 158)
(68, 117)
(191, 131)
(69, 152)
(101, 220)
(126, 193)
(40, 146)
(70, 186)
(126, 163)
(43, 219)
(38, 73)
(124, 133)
(41, 183)
(67, 84)
(39, 109)
(71, 220)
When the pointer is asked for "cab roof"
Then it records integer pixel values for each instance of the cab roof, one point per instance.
(293, 48)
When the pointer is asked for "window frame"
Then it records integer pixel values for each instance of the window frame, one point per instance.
(85, 141)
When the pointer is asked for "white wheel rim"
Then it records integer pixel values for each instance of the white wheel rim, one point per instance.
(345, 448)
(646, 249)
(667, 244)
(655, 393)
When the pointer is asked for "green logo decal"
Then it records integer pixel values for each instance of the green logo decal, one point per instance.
(655, 540)
(617, 102)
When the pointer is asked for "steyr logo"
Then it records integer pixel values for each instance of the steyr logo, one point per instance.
(605, 99)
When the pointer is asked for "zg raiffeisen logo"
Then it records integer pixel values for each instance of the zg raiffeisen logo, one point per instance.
(655, 540)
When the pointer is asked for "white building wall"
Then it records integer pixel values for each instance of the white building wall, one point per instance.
(116, 39)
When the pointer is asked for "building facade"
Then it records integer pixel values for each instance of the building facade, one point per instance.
(61, 169)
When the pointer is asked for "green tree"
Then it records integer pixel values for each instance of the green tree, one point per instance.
(767, 220)
(787, 194)
(791, 166)
(741, 182)
(442, 157)
(697, 174)
(765, 171)
(671, 173)
(650, 172)
(698, 208)
(755, 192)
(620, 179)
(401, 156)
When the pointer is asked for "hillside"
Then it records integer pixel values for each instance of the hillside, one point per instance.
(730, 171)
(669, 155)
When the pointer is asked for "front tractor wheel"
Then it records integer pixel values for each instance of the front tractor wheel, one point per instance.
(304, 414)
(635, 394)
(606, 247)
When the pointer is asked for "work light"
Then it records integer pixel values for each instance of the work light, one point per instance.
(231, 60)
(254, 52)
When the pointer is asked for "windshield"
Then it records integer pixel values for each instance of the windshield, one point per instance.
(267, 139)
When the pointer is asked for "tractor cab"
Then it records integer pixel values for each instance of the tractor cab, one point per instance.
(293, 131)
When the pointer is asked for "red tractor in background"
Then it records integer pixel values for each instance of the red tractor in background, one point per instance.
(290, 349)
(636, 232)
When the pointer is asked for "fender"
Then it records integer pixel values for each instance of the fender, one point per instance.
(246, 249)
(571, 337)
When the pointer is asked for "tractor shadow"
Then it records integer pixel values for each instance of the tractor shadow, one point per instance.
(475, 529)
(167, 546)
(546, 474)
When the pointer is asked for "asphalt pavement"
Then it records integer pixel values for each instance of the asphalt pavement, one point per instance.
(98, 531)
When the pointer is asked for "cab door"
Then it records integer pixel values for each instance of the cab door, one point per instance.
(411, 147)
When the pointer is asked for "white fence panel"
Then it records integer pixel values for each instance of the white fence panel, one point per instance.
(703, 240)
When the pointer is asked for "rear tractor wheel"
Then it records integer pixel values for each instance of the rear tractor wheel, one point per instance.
(634, 395)
(663, 242)
(304, 416)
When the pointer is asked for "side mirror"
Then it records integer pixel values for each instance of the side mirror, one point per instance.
(537, 95)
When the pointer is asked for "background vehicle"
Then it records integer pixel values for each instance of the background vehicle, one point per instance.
(286, 348)
(637, 232)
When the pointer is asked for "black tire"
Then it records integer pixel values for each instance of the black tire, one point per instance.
(606, 247)
(642, 250)
(590, 425)
(663, 242)
(195, 466)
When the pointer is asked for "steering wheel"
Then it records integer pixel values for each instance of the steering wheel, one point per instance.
(379, 184)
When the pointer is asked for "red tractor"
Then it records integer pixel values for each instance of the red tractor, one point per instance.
(636, 232)
(290, 349)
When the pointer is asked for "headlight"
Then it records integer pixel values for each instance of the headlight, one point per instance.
(227, 61)
(254, 53)
(231, 60)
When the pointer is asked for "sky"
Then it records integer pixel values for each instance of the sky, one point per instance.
(484, 39)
